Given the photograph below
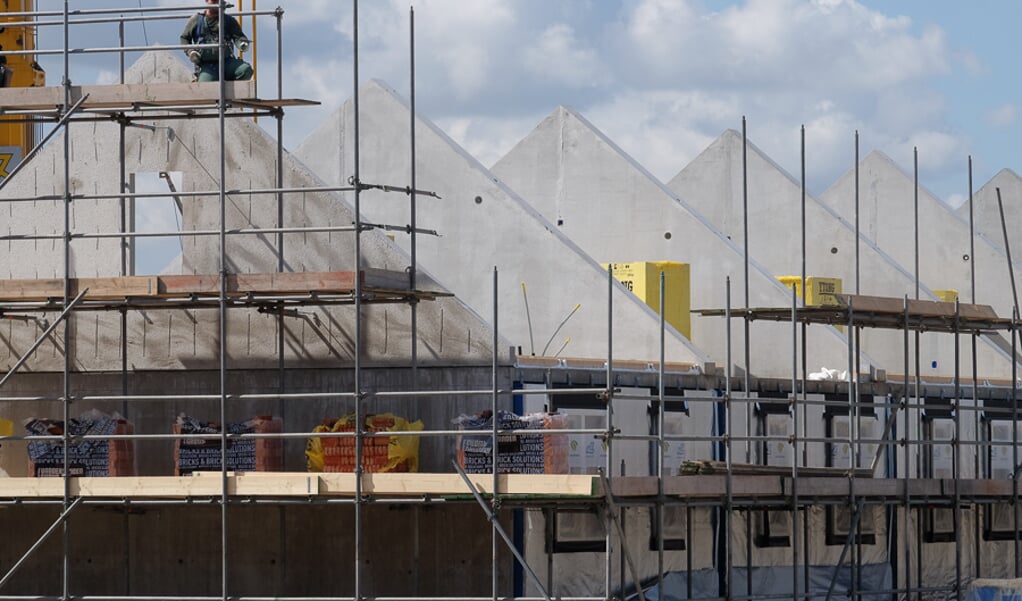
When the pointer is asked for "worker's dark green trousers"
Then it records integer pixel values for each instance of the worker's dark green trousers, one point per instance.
(236, 69)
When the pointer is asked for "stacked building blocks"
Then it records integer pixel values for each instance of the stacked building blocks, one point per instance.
(243, 454)
(379, 453)
(92, 457)
(517, 453)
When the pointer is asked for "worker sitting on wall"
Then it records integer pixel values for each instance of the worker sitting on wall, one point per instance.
(204, 28)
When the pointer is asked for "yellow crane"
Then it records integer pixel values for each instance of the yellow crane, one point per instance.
(19, 71)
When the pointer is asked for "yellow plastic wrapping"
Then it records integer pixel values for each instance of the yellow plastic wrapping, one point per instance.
(379, 453)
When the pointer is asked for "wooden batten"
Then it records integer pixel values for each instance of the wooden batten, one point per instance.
(298, 484)
(108, 96)
(99, 288)
(184, 286)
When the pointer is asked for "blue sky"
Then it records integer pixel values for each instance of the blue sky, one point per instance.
(983, 105)
(662, 78)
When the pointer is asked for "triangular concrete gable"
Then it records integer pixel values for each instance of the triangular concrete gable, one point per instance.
(485, 225)
(448, 331)
(713, 184)
(886, 197)
(987, 216)
(615, 210)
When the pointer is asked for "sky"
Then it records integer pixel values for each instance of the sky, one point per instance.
(662, 78)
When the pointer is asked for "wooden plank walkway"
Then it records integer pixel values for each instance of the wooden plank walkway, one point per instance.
(133, 96)
(185, 286)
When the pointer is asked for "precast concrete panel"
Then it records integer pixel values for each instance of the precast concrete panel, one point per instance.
(447, 330)
(483, 225)
(713, 182)
(886, 210)
(615, 210)
(987, 215)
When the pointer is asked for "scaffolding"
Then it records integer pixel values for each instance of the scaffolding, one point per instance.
(765, 462)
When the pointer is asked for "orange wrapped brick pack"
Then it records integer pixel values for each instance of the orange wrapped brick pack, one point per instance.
(243, 454)
(93, 457)
(379, 453)
(517, 453)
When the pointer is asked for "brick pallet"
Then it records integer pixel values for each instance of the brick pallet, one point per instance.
(379, 453)
(517, 453)
(243, 454)
(99, 458)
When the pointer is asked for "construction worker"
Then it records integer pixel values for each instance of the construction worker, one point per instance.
(5, 72)
(204, 28)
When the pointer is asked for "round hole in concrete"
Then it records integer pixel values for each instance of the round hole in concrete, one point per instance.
(667, 235)
(833, 250)
(965, 257)
(479, 200)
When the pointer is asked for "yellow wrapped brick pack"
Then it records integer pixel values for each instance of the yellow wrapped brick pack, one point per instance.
(379, 453)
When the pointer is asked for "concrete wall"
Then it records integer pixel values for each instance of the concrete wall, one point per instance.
(987, 216)
(157, 339)
(946, 261)
(296, 550)
(713, 184)
(485, 225)
(617, 212)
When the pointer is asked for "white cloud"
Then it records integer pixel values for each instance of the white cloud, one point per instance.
(956, 200)
(666, 129)
(559, 56)
(834, 45)
(937, 150)
(1002, 116)
(107, 77)
(488, 138)
(662, 78)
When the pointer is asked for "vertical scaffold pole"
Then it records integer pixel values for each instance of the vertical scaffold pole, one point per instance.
(857, 212)
(956, 453)
(413, 269)
(359, 415)
(123, 312)
(608, 435)
(853, 447)
(222, 304)
(918, 368)
(805, 370)
(915, 215)
(661, 441)
(728, 448)
(794, 430)
(281, 262)
(915, 271)
(802, 227)
(747, 341)
(1007, 250)
(279, 117)
(745, 285)
(495, 463)
(906, 434)
(65, 528)
(974, 335)
(1014, 439)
